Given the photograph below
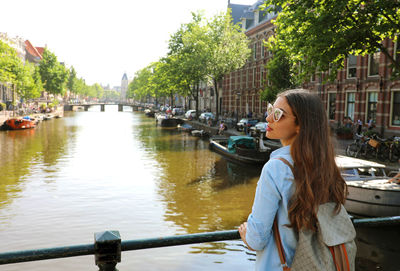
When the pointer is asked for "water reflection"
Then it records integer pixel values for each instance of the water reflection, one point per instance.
(224, 174)
(22, 150)
(201, 190)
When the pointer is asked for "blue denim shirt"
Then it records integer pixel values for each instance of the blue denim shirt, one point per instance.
(274, 190)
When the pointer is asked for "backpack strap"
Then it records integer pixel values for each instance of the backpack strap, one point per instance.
(277, 235)
(340, 257)
(279, 246)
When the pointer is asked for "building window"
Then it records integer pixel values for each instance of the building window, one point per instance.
(352, 66)
(247, 78)
(351, 99)
(312, 78)
(255, 51)
(262, 76)
(396, 109)
(262, 49)
(371, 105)
(254, 77)
(332, 106)
(373, 64)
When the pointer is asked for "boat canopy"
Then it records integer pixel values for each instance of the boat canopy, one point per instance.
(241, 141)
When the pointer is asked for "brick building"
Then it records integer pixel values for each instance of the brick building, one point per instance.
(362, 90)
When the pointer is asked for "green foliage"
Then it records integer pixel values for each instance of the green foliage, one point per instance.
(54, 75)
(24, 77)
(279, 76)
(321, 34)
(72, 80)
(201, 50)
(189, 62)
(9, 63)
(228, 49)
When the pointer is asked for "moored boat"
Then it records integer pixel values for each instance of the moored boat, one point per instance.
(369, 191)
(241, 149)
(18, 123)
(168, 121)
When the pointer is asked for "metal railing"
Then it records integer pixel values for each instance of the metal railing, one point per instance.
(108, 245)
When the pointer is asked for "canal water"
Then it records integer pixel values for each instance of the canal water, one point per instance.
(94, 171)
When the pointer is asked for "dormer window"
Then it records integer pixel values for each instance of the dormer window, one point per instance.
(261, 15)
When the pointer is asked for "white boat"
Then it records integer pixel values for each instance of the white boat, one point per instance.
(369, 191)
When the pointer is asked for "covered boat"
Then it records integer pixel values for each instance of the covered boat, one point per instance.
(168, 121)
(241, 149)
(18, 123)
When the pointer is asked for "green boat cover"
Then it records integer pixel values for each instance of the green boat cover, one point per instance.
(242, 141)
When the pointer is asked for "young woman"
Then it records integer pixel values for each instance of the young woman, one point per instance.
(299, 120)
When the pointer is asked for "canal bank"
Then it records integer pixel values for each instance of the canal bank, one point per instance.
(340, 145)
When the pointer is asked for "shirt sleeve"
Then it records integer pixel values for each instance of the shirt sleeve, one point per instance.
(265, 206)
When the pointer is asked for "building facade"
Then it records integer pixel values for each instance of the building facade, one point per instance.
(362, 90)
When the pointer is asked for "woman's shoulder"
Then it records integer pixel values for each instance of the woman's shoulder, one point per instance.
(277, 167)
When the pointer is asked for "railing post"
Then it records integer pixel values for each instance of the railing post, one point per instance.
(107, 248)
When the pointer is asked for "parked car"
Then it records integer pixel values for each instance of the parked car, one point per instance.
(204, 117)
(190, 112)
(177, 111)
(259, 128)
(246, 122)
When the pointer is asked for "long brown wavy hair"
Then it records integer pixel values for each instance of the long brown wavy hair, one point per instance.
(316, 175)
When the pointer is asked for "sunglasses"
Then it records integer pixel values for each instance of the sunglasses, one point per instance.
(277, 113)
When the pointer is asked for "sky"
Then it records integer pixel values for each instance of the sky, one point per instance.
(102, 39)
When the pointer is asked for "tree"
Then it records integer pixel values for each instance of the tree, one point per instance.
(9, 62)
(24, 77)
(28, 82)
(321, 34)
(188, 57)
(228, 49)
(139, 88)
(279, 75)
(54, 75)
(71, 84)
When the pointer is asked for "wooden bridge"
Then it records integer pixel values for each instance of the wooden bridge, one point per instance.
(70, 107)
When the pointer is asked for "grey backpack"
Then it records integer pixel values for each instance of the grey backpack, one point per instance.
(330, 248)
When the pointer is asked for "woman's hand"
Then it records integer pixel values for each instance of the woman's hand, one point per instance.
(242, 232)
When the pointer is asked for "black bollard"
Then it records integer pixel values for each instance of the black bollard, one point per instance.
(107, 248)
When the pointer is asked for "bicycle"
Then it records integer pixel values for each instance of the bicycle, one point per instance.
(354, 149)
(394, 151)
(383, 148)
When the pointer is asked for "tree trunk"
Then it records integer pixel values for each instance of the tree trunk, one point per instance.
(196, 97)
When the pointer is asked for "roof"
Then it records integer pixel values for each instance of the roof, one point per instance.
(124, 77)
(40, 50)
(32, 50)
(238, 11)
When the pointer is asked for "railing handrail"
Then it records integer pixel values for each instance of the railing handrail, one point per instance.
(89, 249)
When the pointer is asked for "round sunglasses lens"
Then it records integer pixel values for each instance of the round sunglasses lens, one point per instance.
(277, 115)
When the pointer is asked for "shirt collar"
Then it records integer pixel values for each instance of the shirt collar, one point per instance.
(281, 151)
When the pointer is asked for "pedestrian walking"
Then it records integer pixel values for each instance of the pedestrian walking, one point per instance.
(359, 126)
